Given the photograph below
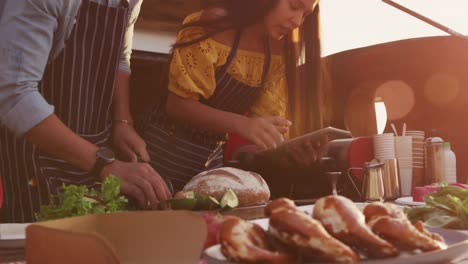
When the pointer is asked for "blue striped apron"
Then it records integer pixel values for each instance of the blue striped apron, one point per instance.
(179, 152)
(80, 84)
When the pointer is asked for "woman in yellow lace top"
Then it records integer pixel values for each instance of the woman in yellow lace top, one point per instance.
(192, 72)
(229, 60)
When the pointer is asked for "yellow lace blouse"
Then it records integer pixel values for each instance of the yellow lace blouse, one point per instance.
(192, 71)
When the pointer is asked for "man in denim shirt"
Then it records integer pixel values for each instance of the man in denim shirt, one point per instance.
(64, 77)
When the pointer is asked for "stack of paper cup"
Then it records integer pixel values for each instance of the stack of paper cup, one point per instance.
(384, 146)
(418, 157)
(404, 155)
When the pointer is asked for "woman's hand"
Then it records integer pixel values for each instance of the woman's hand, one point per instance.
(265, 132)
(141, 182)
(307, 153)
(127, 143)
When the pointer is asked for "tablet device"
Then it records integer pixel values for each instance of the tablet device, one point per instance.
(331, 132)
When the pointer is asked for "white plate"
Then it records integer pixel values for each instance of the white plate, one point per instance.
(457, 250)
(408, 201)
(12, 237)
(13, 231)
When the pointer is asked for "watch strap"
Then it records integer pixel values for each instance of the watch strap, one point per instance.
(100, 163)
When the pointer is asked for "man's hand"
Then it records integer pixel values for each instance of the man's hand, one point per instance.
(139, 181)
(128, 145)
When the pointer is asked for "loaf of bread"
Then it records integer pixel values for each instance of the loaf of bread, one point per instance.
(250, 188)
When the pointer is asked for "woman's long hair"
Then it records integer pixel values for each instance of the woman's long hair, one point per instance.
(237, 14)
(306, 100)
(309, 82)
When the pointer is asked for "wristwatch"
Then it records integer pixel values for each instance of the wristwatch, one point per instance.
(104, 156)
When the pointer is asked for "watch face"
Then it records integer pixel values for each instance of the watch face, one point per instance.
(106, 154)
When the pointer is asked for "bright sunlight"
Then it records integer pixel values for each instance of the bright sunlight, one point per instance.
(350, 24)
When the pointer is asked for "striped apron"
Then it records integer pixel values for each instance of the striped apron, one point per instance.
(179, 152)
(80, 84)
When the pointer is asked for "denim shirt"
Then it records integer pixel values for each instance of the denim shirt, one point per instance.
(32, 34)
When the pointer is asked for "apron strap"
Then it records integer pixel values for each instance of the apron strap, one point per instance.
(232, 54)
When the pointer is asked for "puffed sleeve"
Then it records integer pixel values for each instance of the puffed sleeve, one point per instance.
(192, 69)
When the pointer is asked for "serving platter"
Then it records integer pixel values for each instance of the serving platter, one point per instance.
(408, 201)
(12, 236)
(455, 252)
(457, 249)
(12, 242)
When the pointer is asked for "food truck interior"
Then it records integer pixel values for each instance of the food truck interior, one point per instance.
(423, 82)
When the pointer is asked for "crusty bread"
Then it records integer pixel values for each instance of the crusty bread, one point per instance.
(250, 187)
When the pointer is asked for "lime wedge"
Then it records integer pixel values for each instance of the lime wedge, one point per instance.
(182, 203)
(229, 200)
(205, 202)
(213, 204)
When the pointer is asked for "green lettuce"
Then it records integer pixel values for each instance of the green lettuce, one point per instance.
(76, 200)
(446, 208)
